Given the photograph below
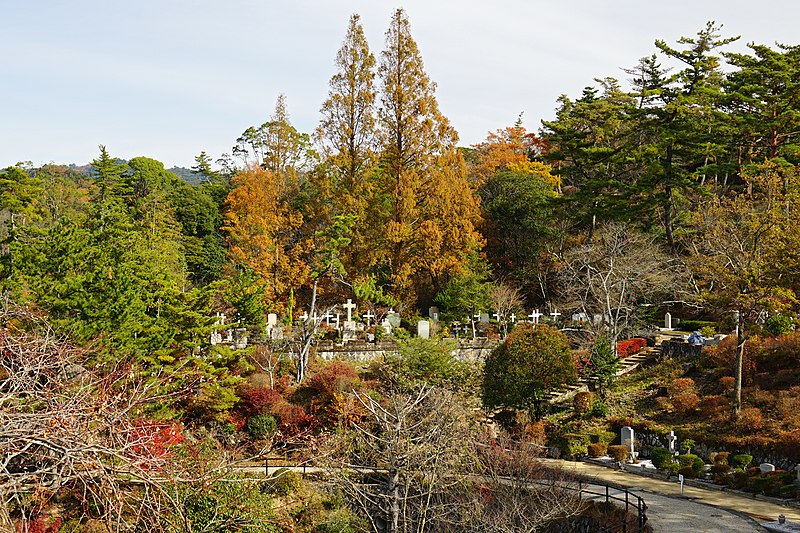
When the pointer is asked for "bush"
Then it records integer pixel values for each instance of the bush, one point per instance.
(596, 450)
(726, 384)
(681, 386)
(721, 458)
(618, 453)
(629, 347)
(778, 325)
(687, 445)
(696, 325)
(708, 331)
(685, 403)
(599, 409)
(661, 457)
(741, 460)
(285, 482)
(582, 402)
(691, 461)
(749, 420)
(261, 426)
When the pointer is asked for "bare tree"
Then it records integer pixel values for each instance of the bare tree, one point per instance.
(416, 463)
(68, 429)
(615, 275)
(505, 300)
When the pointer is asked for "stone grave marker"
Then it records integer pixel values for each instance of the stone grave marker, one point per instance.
(626, 439)
(667, 321)
(671, 438)
(766, 467)
(424, 329)
(535, 316)
(433, 313)
(393, 317)
(272, 320)
(484, 318)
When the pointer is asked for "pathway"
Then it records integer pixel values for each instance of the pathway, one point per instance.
(698, 510)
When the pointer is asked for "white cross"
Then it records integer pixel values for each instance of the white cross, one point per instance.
(534, 316)
(477, 316)
(327, 317)
(368, 315)
(349, 306)
(497, 316)
(337, 320)
(555, 314)
(304, 317)
(513, 318)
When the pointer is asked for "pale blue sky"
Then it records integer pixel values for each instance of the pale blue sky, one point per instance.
(169, 78)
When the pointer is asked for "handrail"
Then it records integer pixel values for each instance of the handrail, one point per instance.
(584, 487)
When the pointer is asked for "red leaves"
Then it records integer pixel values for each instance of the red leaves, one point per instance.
(629, 347)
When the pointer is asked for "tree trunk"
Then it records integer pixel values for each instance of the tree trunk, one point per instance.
(394, 501)
(737, 385)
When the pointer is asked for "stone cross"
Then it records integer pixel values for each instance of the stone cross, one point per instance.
(534, 316)
(671, 438)
(513, 318)
(497, 316)
(327, 317)
(304, 317)
(349, 306)
(338, 316)
(555, 314)
(369, 315)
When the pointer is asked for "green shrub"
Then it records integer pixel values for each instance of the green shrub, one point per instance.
(687, 445)
(696, 325)
(261, 426)
(285, 482)
(599, 409)
(779, 325)
(618, 453)
(692, 461)
(604, 437)
(596, 450)
(708, 331)
(661, 457)
(741, 460)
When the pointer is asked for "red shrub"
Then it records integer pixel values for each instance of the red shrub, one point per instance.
(726, 383)
(629, 347)
(681, 386)
(259, 400)
(293, 420)
(713, 406)
(686, 402)
(724, 355)
(750, 419)
(154, 439)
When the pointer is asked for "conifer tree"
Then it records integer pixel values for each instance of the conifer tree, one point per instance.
(348, 138)
(431, 211)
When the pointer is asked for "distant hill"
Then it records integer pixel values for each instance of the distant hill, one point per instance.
(186, 174)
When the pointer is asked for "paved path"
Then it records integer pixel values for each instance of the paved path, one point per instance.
(699, 510)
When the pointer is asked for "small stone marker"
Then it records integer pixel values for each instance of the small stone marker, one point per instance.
(272, 320)
(393, 317)
(484, 318)
(671, 438)
(766, 467)
(387, 326)
(513, 318)
(626, 439)
(667, 321)
(424, 329)
(433, 313)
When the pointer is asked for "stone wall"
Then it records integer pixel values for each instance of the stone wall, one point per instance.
(466, 349)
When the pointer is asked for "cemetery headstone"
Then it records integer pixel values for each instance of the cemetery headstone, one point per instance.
(369, 315)
(535, 316)
(276, 333)
(671, 438)
(433, 313)
(272, 320)
(626, 439)
(555, 314)
(216, 338)
(349, 332)
(667, 321)
(424, 329)
(387, 326)
(484, 318)
(393, 317)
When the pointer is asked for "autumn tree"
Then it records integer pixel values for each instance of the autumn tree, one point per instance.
(348, 136)
(262, 231)
(531, 361)
(430, 210)
(743, 251)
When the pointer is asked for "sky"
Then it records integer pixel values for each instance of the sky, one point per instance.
(168, 79)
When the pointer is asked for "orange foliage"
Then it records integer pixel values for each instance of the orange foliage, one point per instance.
(680, 386)
(262, 227)
(686, 402)
(750, 419)
(510, 149)
(630, 346)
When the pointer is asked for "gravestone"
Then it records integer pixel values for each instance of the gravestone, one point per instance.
(272, 320)
(667, 321)
(626, 439)
(555, 314)
(766, 467)
(671, 438)
(534, 316)
(276, 333)
(216, 338)
(349, 332)
(433, 313)
(393, 317)
(424, 329)
(387, 326)
(484, 318)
